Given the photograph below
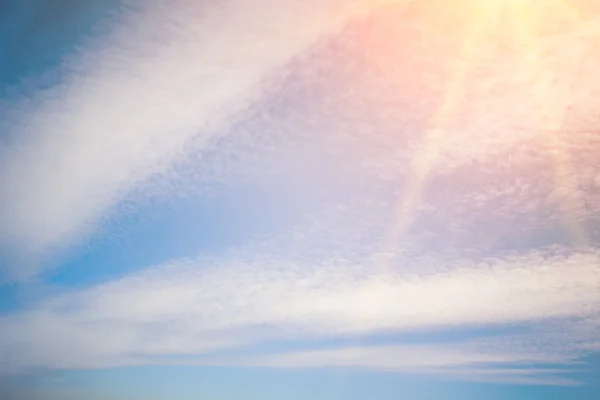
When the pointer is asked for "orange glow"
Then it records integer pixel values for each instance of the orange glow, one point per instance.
(425, 158)
(553, 114)
(529, 23)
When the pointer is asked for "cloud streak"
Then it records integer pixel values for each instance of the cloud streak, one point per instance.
(130, 103)
(185, 309)
(478, 255)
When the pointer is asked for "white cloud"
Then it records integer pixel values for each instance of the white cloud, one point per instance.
(454, 361)
(191, 310)
(86, 143)
(405, 358)
(130, 103)
(168, 78)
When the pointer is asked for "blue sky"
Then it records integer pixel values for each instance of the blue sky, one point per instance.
(299, 199)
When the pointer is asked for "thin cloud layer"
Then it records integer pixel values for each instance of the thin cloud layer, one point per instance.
(169, 80)
(439, 360)
(491, 247)
(190, 310)
(130, 103)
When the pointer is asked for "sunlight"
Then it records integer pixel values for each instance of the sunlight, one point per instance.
(425, 156)
(526, 20)
(552, 88)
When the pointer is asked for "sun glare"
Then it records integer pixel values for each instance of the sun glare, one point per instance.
(528, 24)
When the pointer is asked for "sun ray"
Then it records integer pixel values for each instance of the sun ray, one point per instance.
(425, 156)
(552, 115)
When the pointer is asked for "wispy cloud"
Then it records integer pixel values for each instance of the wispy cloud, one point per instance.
(478, 254)
(454, 361)
(186, 309)
(130, 102)
(169, 78)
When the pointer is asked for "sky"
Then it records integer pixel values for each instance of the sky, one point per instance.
(291, 199)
